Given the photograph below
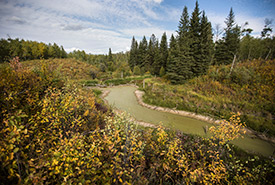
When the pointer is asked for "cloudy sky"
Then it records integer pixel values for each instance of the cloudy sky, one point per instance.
(96, 25)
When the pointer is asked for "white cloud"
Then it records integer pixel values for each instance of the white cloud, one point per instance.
(85, 24)
(147, 32)
(158, 1)
(96, 25)
(255, 23)
(73, 27)
(17, 20)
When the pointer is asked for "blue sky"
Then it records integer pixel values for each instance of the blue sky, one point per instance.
(96, 25)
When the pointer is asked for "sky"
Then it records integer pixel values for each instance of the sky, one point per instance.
(97, 25)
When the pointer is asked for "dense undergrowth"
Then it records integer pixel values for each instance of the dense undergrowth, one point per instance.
(71, 69)
(249, 89)
(54, 132)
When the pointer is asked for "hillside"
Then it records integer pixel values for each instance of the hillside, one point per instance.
(70, 68)
(249, 89)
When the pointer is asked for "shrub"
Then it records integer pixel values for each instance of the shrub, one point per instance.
(136, 70)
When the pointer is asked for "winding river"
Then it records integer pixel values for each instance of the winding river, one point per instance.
(123, 98)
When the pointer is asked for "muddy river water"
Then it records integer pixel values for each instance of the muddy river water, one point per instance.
(123, 98)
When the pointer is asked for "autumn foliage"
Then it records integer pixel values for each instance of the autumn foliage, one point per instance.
(53, 132)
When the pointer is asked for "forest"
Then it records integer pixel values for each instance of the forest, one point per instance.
(55, 128)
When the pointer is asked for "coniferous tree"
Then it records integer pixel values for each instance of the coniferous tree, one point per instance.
(133, 54)
(206, 37)
(110, 61)
(157, 60)
(184, 56)
(228, 47)
(162, 71)
(142, 50)
(4, 50)
(63, 53)
(110, 55)
(173, 62)
(163, 51)
(150, 57)
(183, 27)
(195, 42)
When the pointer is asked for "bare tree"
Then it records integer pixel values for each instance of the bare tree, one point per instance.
(267, 28)
(218, 30)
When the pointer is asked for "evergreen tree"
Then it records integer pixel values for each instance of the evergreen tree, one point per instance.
(156, 60)
(110, 55)
(133, 54)
(163, 51)
(142, 51)
(206, 37)
(63, 53)
(110, 61)
(172, 70)
(230, 43)
(162, 71)
(184, 57)
(183, 27)
(4, 50)
(195, 45)
(150, 57)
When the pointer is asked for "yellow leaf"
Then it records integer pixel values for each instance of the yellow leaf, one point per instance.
(86, 113)
(16, 150)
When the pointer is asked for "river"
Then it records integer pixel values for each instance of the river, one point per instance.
(123, 98)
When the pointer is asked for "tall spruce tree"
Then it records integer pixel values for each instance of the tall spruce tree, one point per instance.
(172, 69)
(163, 51)
(133, 54)
(195, 45)
(110, 55)
(228, 47)
(157, 60)
(183, 27)
(151, 52)
(207, 45)
(184, 56)
(142, 50)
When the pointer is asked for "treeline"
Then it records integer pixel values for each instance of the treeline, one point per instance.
(29, 50)
(112, 65)
(192, 50)
(107, 62)
(257, 48)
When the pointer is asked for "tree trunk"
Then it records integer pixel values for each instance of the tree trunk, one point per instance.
(232, 64)
(268, 54)
(249, 52)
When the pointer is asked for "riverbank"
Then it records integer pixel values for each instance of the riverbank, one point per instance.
(139, 94)
(248, 131)
(105, 92)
